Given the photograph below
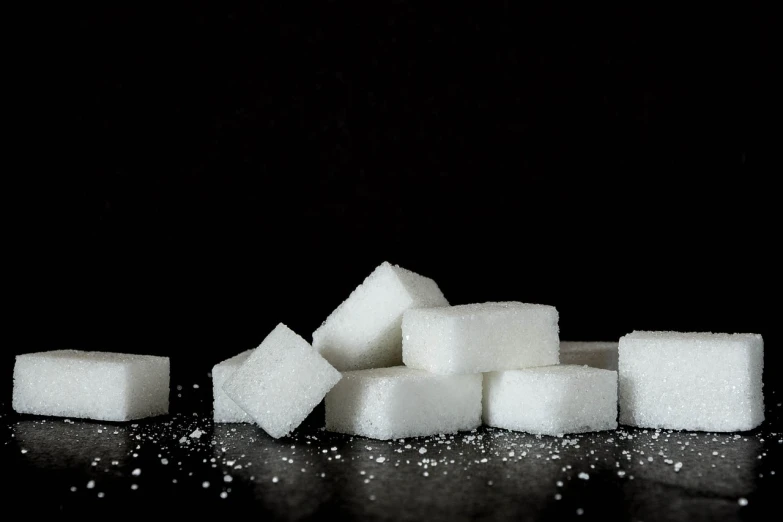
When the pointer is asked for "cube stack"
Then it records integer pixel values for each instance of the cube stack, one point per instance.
(498, 363)
(447, 351)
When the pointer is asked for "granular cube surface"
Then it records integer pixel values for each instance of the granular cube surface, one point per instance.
(594, 354)
(551, 400)
(691, 381)
(480, 337)
(281, 382)
(227, 410)
(91, 385)
(390, 403)
(364, 331)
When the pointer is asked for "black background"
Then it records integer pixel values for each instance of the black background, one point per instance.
(200, 174)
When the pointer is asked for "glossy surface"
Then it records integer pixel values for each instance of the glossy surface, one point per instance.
(487, 474)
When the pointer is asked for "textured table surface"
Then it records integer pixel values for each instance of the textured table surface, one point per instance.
(166, 464)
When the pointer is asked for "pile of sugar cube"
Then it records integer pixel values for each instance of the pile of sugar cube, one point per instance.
(395, 360)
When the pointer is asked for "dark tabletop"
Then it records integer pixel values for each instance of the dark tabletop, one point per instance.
(186, 464)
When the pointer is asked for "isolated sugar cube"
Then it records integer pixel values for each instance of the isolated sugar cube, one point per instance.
(281, 382)
(691, 381)
(91, 385)
(364, 331)
(227, 410)
(398, 402)
(596, 354)
(551, 400)
(480, 337)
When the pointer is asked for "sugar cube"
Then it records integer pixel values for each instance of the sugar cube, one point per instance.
(281, 382)
(91, 385)
(227, 410)
(692, 381)
(551, 400)
(364, 331)
(480, 337)
(594, 354)
(398, 402)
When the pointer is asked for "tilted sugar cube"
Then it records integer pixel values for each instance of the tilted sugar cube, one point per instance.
(691, 381)
(595, 354)
(398, 402)
(281, 382)
(364, 331)
(551, 400)
(480, 337)
(226, 410)
(91, 385)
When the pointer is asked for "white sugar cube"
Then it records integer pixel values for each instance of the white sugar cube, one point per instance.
(364, 331)
(392, 403)
(480, 337)
(91, 385)
(595, 354)
(281, 382)
(691, 381)
(551, 400)
(227, 410)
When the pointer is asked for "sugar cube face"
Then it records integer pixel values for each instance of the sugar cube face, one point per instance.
(91, 385)
(594, 354)
(227, 410)
(551, 400)
(364, 331)
(480, 337)
(392, 403)
(691, 381)
(281, 382)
